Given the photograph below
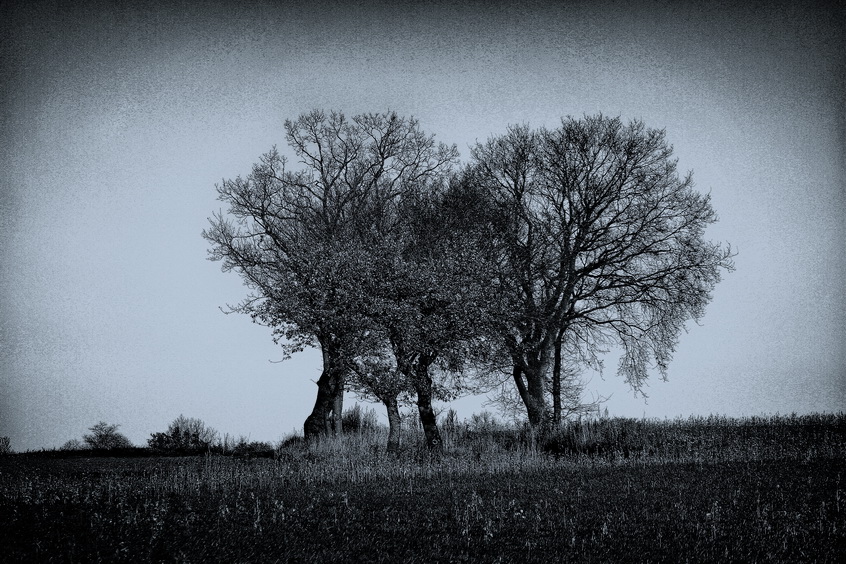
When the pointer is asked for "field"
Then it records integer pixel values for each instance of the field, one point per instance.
(698, 491)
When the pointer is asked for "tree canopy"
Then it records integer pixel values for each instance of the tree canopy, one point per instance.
(603, 243)
(405, 270)
(298, 237)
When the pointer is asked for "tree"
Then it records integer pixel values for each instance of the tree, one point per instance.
(421, 304)
(430, 299)
(293, 235)
(184, 434)
(602, 243)
(106, 437)
(444, 323)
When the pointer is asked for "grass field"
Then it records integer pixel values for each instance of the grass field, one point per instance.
(686, 492)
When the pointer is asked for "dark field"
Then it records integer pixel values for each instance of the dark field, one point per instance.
(347, 501)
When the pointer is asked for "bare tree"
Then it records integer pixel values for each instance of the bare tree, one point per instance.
(185, 434)
(292, 235)
(602, 242)
(106, 437)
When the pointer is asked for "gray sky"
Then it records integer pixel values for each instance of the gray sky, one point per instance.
(118, 122)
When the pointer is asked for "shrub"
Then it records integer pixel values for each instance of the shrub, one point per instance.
(5, 445)
(253, 449)
(292, 441)
(185, 435)
(357, 420)
(226, 445)
(450, 421)
(485, 422)
(106, 437)
(73, 444)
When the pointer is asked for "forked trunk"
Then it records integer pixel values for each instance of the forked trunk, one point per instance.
(533, 400)
(530, 381)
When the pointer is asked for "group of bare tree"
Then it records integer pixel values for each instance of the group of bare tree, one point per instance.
(419, 278)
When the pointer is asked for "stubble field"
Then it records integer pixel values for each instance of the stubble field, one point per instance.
(687, 492)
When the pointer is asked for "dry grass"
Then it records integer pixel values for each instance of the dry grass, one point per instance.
(697, 490)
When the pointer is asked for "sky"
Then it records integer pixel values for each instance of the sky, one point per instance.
(117, 122)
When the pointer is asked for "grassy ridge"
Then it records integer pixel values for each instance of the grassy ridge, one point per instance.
(707, 438)
(346, 500)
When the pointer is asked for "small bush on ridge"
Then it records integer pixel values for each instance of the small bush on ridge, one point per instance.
(73, 444)
(253, 449)
(106, 437)
(185, 435)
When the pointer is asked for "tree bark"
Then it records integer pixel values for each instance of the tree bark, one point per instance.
(556, 382)
(394, 424)
(529, 381)
(338, 409)
(317, 424)
(536, 407)
(519, 383)
(327, 419)
(534, 396)
(423, 388)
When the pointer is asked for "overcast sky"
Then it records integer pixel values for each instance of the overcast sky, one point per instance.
(118, 122)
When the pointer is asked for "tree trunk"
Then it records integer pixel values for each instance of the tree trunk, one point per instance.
(556, 383)
(327, 419)
(394, 424)
(519, 383)
(529, 381)
(338, 409)
(423, 387)
(536, 406)
(533, 391)
(317, 423)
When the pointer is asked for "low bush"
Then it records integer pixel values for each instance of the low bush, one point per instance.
(358, 420)
(253, 449)
(73, 445)
(292, 442)
(185, 435)
(106, 437)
